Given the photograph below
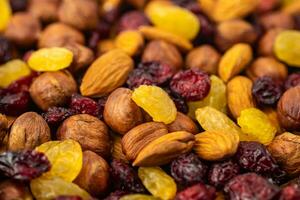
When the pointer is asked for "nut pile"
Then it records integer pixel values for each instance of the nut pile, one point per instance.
(150, 99)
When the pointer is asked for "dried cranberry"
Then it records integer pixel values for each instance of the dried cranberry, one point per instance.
(188, 169)
(125, 177)
(102, 31)
(6, 50)
(132, 21)
(21, 85)
(84, 105)
(68, 198)
(291, 192)
(116, 195)
(55, 115)
(250, 186)
(292, 81)
(14, 104)
(192, 84)
(197, 192)
(18, 5)
(266, 90)
(220, 173)
(207, 30)
(180, 103)
(24, 165)
(101, 105)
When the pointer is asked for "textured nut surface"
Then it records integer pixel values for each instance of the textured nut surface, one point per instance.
(90, 132)
(140, 136)
(277, 20)
(120, 112)
(3, 127)
(28, 131)
(117, 152)
(266, 42)
(165, 148)
(183, 123)
(45, 10)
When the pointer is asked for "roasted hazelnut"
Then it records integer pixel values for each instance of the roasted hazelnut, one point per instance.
(161, 51)
(13, 190)
(45, 10)
(288, 109)
(89, 131)
(59, 34)
(265, 45)
(94, 175)
(120, 112)
(277, 20)
(52, 89)
(3, 127)
(183, 123)
(81, 14)
(205, 58)
(234, 31)
(23, 29)
(267, 66)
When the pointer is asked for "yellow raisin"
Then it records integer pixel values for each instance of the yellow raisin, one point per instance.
(138, 197)
(5, 14)
(156, 102)
(130, 41)
(50, 59)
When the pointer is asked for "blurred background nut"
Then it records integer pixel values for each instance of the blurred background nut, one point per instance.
(267, 5)
(81, 14)
(28, 131)
(162, 51)
(89, 131)
(23, 29)
(132, 20)
(130, 41)
(267, 66)
(205, 58)
(45, 10)
(277, 20)
(120, 112)
(266, 42)
(94, 175)
(137, 3)
(234, 31)
(183, 123)
(13, 190)
(52, 89)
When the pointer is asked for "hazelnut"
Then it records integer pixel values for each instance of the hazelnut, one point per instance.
(120, 112)
(183, 123)
(277, 20)
(205, 58)
(161, 51)
(232, 32)
(81, 14)
(288, 109)
(52, 89)
(13, 190)
(3, 127)
(23, 29)
(265, 44)
(94, 175)
(45, 10)
(267, 66)
(28, 131)
(89, 131)
(58, 34)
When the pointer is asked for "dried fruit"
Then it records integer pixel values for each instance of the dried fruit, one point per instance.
(6, 50)
(138, 197)
(5, 14)
(156, 102)
(14, 104)
(292, 81)
(56, 115)
(157, 182)
(21, 85)
(130, 41)
(183, 123)
(116, 195)
(179, 102)
(132, 20)
(64, 197)
(197, 192)
(84, 105)
(291, 192)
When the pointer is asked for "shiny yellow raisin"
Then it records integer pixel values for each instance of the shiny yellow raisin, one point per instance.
(12, 71)
(156, 102)
(5, 14)
(158, 182)
(130, 41)
(65, 158)
(50, 59)
(138, 197)
(257, 125)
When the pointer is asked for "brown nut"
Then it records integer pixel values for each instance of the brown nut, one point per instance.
(183, 123)
(89, 131)
(94, 175)
(120, 112)
(117, 152)
(52, 89)
(162, 51)
(59, 34)
(205, 58)
(285, 149)
(234, 31)
(3, 127)
(273, 117)
(13, 190)
(45, 10)
(28, 131)
(138, 137)
(277, 20)
(23, 29)
(288, 109)
(81, 14)
(265, 44)
(267, 5)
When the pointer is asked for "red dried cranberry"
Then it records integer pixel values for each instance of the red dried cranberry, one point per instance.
(84, 105)
(132, 21)
(125, 177)
(68, 198)
(101, 105)
(192, 84)
(116, 195)
(197, 192)
(188, 169)
(291, 192)
(207, 30)
(250, 186)
(21, 85)
(220, 173)
(18, 5)
(267, 91)
(180, 103)
(55, 115)
(6, 50)
(14, 104)
(292, 81)
(24, 165)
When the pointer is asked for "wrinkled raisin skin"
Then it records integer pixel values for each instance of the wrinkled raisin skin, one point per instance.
(291, 192)
(84, 105)
(55, 115)
(68, 198)
(180, 103)
(6, 50)
(14, 104)
(116, 195)
(197, 192)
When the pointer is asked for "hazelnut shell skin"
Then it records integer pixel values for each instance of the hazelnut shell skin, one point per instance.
(13, 190)
(45, 10)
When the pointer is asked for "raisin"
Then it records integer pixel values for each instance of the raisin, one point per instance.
(101, 105)
(116, 195)
(6, 50)
(192, 84)
(68, 198)
(207, 30)
(102, 31)
(179, 102)
(132, 21)
(14, 104)
(291, 192)
(84, 105)
(292, 81)
(24, 165)
(21, 85)
(250, 186)
(197, 192)
(55, 115)
(188, 169)
(125, 177)
(18, 5)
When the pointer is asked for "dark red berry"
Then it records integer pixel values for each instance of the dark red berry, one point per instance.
(116, 195)
(180, 103)
(292, 81)
(6, 50)
(14, 104)
(132, 21)
(192, 84)
(102, 31)
(18, 5)
(24, 165)
(124, 177)
(188, 169)
(84, 105)
(207, 31)
(291, 192)
(68, 198)
(220, 173)
(101, 105)
(267, 91)
(197, 192)
(250, 186)
(21, 85)
(56, 115)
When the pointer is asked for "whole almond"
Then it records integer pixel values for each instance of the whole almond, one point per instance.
(183, 123)
(107, 73)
